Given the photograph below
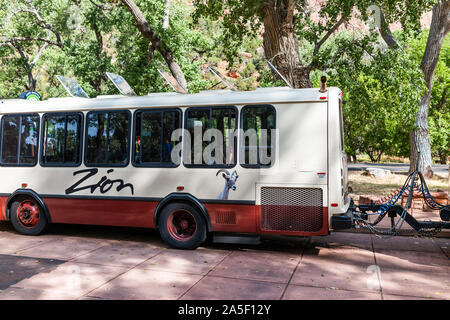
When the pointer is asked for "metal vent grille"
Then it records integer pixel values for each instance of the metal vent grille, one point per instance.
(225, 217)
(291, 209)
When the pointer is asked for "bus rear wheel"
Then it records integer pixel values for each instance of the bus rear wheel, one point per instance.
(182, 226)
(28, 217)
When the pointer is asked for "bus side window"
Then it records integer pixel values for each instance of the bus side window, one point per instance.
(210, 122)
(153, 137)
(341, 126)
(61, 139)
(10, 139)
(257, 124)
(107, 138)
(20, 134)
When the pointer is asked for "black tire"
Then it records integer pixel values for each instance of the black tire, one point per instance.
(20, 225)
(168, 221)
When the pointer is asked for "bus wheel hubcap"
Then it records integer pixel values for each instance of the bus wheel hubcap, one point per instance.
(181, 225)
(28, 214)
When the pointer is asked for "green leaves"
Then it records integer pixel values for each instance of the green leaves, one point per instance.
(439, 111)
(381, 88)
(97, 37)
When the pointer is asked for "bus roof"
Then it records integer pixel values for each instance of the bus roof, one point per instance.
(166, 99)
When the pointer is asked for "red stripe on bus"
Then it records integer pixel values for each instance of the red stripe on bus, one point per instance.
(130, 213)
(123, 213)
(3, 201)
(238, 218)
(232, 217)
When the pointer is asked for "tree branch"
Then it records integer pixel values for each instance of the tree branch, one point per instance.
(41, 22)
(386, 33)
(290, 11)
(156, 41)
(101, 7)
(38, 56)
(98, 35)
(22, 54)
(440, 26)
(23, 39)
(317, 45)
(28, 68)
(151, 50)
(44, 24)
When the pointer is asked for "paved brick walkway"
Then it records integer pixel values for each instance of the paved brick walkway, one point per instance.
(85, 262)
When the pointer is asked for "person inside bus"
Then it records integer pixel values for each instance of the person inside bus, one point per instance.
(166, 150)
(29, 140)
(137, 157)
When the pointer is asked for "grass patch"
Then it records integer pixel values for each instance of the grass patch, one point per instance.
(384, 159)
(389, 159)
(364, 185)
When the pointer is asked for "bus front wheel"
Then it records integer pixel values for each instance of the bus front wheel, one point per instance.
(182, 226)
(28, 217)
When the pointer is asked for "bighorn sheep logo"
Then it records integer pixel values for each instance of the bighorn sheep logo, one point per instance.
(230, 183)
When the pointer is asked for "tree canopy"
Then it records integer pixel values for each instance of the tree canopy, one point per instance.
(350, 41)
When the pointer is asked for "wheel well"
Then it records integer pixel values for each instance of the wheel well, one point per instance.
(182, 199)
(26, 194)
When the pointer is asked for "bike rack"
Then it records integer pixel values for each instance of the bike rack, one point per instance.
(359, 213)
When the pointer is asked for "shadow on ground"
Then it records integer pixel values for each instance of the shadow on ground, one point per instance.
(14, 269)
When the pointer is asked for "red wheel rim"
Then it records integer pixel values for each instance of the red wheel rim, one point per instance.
(181, 225)
(28, 214)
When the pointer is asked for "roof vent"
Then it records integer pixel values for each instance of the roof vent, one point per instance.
(121, 84)
(176, 86)
(72, 87)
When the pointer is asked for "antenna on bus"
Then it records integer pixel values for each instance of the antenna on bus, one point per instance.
(221, 78)
(172, 82)
(72, 87)
(323, 84)
(121, 84)
(278, 72)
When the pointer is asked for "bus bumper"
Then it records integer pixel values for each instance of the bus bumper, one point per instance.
(345, 220)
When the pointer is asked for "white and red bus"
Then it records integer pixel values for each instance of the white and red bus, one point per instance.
(110, 161)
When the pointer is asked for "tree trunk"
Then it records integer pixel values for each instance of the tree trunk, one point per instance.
(97, 82)
(166, 15)
(28, 66)
(420, 142)
(31, 81)
(156, 41)
(281, 44)
(420, 137)
(442, 157)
